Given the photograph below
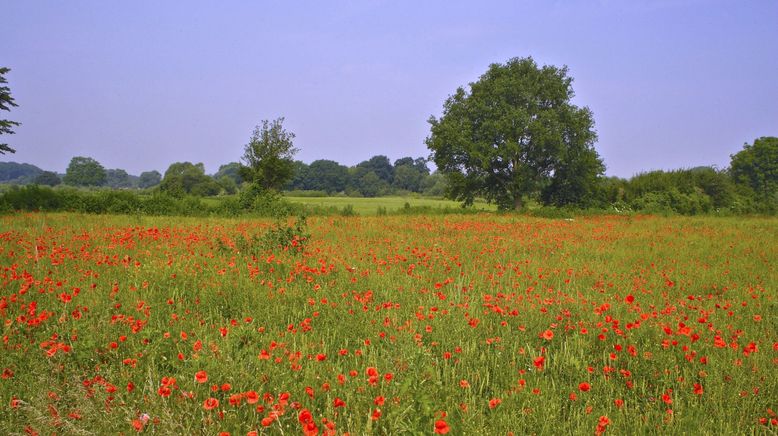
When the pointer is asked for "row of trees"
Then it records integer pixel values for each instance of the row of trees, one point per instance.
(373, 177)
(512, 136)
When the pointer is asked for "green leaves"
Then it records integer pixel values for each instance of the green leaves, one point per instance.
(269, 155)
(6, 103)
(510, 135)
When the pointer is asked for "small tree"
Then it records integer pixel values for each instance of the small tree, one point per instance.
(84, 171)
(6, 103)
(514, 133)
(268, 156)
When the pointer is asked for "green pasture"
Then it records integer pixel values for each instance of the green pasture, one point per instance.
(370, 206)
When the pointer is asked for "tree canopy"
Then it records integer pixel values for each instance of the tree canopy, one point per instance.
(47, 178)
(6, 103)
(183, 178)
(327, 175)
(148, 179)
(84, 171)
(268, 156)
(756, 166)
(515, 133)
(117, 178)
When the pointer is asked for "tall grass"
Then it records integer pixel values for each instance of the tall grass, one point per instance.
(484, 324)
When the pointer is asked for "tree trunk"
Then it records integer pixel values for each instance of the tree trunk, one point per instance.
(517, 202)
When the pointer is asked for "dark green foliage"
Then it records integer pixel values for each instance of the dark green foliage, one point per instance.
(263, 202)
(513, 134)
(6, 103)
(149, 179)
(231, 170)
(47, 178)
(186, 178)
(31, 198)
(756, 166)
(18, 173)
(576, 179)
(227, 184)
(268, 156)
(41, 198)
(117, 179)
(299, 178)
(380, 165)
(688, 191)
(371, 185)
(420, 164)
(409, 173)
(435, 185)
(84, 171)
(697, 190)
(326, 175)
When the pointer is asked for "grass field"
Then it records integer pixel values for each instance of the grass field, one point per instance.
(370, 206)
(458, 324)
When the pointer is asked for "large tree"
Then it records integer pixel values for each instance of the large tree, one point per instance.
(268, 156)
(6, 103)
(756, 166)
(514, 133)
(84, 171)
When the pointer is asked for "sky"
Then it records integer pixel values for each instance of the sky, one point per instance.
(139, 85)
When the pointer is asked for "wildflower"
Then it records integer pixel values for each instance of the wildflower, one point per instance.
(201, 377)
(441, 427)
(210, 403)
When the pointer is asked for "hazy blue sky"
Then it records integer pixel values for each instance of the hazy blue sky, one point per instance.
(139, 85)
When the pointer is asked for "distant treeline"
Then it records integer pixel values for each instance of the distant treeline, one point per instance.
(87, 187)
(375, 177)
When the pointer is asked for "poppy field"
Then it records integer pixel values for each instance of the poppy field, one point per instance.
(459, 324)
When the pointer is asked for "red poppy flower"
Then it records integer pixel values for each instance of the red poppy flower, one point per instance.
(441, 427)
(210, 403)
(252, 397)
(201, 376)
(584, 387)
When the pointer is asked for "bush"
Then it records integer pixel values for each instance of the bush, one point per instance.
(348, 210)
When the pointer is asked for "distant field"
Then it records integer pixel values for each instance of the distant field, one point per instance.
(369, 206)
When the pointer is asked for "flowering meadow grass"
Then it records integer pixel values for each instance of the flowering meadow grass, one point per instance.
(476, 324)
